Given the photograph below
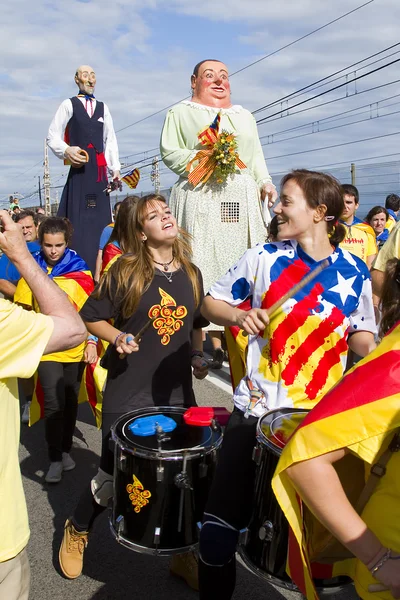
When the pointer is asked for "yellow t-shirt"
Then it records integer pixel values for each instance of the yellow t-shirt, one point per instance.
(23, 337)
(390, 249)
(359, 241)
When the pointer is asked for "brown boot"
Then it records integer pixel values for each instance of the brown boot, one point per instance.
(71, 550)
(186, 567)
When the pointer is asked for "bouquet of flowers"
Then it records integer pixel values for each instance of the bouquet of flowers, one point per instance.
(219, 159)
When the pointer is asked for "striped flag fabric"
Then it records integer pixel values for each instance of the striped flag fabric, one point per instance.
(209, 136)
(358, 413)
(73, 276)
(111, 253)
(132, 178)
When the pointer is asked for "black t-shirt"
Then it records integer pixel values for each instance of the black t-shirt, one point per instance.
(160, 372)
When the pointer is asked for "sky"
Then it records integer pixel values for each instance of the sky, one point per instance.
(144, 52)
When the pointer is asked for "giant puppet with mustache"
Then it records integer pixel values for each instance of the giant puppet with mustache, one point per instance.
(225, 219)
(82, 133)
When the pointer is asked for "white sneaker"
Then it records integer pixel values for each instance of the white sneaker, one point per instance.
(67, 462)
(25, 413)
(54, 473)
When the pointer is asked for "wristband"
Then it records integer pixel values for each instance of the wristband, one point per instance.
(91, 342)
(93, 338)
(197, 353)
(118, 336)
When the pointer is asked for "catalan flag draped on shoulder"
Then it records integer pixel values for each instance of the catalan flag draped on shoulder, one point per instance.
(359, 413)
(73, 276)
(111, 253)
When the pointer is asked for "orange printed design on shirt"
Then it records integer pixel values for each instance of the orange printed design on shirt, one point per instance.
(137, 494)
(168, 317)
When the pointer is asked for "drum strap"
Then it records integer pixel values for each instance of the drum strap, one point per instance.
(378, 470)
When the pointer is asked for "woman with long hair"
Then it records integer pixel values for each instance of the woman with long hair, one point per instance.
(368, 398)
(59, 374)
(156, 273)
(293, 358)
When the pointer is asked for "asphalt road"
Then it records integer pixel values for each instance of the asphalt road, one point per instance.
(111, 572)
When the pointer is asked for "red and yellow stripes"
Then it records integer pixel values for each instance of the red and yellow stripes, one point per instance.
(362, 407)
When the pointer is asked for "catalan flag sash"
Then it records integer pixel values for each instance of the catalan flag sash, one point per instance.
(73, 276)
(358, 413)
(132, 178)
(92, 385)
(207, 160)
(111, 253)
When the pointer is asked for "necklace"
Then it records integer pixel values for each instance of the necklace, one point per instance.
(168, 276)
(164, 265)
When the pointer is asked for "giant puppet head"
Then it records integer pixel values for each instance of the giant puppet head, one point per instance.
(85, 79)
(210, 84)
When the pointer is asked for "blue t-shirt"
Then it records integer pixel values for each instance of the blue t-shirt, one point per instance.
(105, 236)
(8, 271)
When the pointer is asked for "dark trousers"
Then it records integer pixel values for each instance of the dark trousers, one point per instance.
(230, 503)
(60, 384)
(87, 508)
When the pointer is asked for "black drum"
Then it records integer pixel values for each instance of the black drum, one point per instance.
(161, 479)
(263, 545)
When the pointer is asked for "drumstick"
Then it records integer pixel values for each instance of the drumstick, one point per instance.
(377, 587)
(138, 336)
(296, 288)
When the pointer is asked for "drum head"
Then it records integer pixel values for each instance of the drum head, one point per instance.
(276, 427)
(183, 438)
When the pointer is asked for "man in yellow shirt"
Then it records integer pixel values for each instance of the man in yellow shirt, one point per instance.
(360, 237)
(25, 337)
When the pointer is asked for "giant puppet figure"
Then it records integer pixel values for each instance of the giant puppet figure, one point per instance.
(225, 219)
(83, 123)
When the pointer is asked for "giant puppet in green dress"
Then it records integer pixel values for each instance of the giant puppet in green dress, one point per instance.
(225, 219)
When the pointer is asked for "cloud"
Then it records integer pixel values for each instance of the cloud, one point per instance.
(143, 54)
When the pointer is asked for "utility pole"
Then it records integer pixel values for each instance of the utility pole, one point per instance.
(155, 175)
(40, 193)
(353, 174)
(46, 181)
(56, 202)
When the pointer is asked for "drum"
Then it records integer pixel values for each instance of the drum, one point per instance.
(263, 545)
(162, 475)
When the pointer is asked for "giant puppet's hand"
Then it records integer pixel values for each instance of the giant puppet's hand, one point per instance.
(268, 191)
(75, 156)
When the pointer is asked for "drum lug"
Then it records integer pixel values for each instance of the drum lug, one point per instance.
(122, 463)
(160, 473)
(182, 481)
(157, 535)
(256, 456)
(120, 523)
(244, 536)
(266, 532)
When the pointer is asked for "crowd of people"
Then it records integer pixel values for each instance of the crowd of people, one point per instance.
(77, 289)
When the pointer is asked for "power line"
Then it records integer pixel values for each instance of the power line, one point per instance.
(295, 137)
(377, 137)
(336, 87)
(315, 85)
(339, 115)
(256, 61)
